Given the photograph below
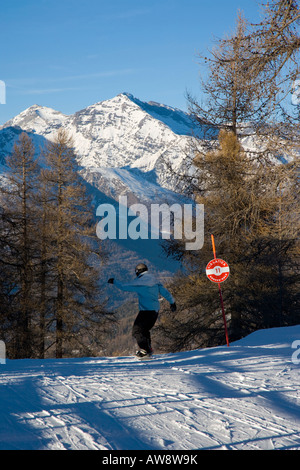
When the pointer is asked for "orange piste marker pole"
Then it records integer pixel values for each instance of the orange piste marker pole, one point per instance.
(220, 292)
(213, 245)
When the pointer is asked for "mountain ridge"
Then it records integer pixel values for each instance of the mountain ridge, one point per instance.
(119, 132)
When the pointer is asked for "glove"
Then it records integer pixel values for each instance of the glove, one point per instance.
(173, 307)
(110, 281)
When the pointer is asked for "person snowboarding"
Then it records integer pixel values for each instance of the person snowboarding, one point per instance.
(148, 289)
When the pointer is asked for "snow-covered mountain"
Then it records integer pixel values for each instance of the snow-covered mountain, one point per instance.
(113, 139)
(124, 147)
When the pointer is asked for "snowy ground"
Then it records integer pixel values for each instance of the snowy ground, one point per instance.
(243, 397)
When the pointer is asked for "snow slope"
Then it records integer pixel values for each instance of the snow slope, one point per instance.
(242, 397)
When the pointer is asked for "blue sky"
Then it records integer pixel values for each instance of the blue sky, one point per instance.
(69, 54)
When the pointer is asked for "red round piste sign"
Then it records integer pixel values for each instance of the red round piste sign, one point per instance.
(217, 270)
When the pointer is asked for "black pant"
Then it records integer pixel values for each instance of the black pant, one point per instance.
(141, 328)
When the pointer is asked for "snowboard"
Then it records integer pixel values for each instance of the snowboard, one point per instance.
(146, 358)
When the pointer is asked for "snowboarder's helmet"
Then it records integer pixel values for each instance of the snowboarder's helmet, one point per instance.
(141, 268)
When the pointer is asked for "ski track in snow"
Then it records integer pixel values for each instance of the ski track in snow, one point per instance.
(244, 397)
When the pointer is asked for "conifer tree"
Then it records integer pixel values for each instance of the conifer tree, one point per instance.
(250, 198)
(43, 285)
(19, 245)
(79, 316)
(273, 61)
(248, 208)
(251, 77)
(231, 92)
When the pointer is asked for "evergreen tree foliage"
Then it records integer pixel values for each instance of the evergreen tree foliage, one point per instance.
(50, 257)
(251, 199)
(249, 209)
(74, 251)
(19, 220)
